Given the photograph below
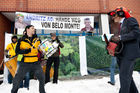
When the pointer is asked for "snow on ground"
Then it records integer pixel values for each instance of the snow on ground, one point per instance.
(74, 86)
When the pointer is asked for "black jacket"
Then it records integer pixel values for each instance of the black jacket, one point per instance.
(130, 37)
(56, 54)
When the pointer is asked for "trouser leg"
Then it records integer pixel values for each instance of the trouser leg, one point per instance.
(10, 77)
(56, 68)
(126, 71)
(41, 77)
(48, 67)
(19, 77)
(27, 80)
(133, 88)
(112, 70)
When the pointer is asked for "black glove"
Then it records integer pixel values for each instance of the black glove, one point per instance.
(58, 41)
(8, 56)
(27, 50)
(115, 38)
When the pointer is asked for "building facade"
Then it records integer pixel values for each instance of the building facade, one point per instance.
(96, 8)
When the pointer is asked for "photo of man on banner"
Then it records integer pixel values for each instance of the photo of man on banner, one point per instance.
(88, 27)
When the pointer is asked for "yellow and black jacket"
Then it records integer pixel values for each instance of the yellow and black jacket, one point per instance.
(29, 48)
(11, 49)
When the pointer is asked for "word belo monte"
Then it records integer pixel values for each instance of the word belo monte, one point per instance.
(60, 25)
(63, 23)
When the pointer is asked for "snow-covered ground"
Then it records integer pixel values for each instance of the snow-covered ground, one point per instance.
(74, 86)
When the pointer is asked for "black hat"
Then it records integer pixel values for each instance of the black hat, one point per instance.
(14, 37)
(53, 34)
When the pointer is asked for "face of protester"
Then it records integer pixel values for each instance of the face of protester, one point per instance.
(53, 37)
(117, 19)
(87, 23)
(20, 19)
(14, 40)
(30, 31)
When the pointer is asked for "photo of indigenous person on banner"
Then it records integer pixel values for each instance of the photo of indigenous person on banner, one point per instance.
(19, 22)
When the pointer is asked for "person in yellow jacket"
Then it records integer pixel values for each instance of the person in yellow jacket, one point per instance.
(24, 83)
(10, 52)
(28, 46)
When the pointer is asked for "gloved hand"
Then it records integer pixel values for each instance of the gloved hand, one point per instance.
(115, 38)
(27, 50)
(8, 56)
(58, 41)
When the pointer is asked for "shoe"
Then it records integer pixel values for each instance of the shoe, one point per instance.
(111, 83)
(27, 88)
(47, 82)
(10, 82)
(54, 82)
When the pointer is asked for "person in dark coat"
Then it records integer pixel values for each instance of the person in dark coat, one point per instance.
(53, 59)
(129, 36)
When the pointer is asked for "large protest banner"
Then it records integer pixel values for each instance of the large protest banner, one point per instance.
(65, 23)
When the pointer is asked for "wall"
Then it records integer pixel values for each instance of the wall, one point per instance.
(5, 26)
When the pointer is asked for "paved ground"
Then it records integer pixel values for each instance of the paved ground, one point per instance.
(83, 77)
